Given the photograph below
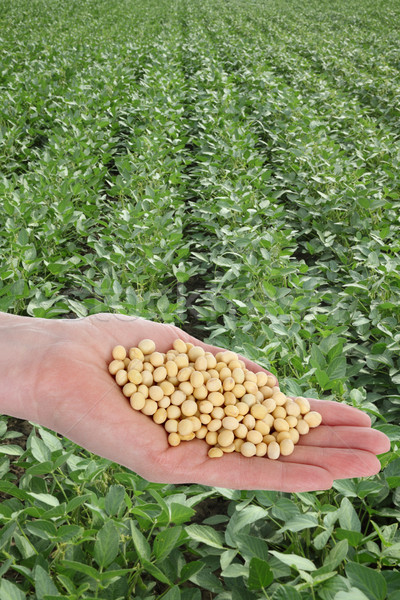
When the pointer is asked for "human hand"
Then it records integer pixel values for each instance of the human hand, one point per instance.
(76, 396)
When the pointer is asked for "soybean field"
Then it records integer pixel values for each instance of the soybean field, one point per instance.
(231, 167)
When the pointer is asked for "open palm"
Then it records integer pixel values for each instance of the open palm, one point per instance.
(83, 402)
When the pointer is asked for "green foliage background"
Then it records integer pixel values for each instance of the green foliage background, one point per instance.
(232, 167)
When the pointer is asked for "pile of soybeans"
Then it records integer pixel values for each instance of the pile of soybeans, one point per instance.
(195, 394)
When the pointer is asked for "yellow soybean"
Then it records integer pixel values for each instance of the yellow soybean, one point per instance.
(118, 353)
(215, 453)
(147, 346)
(135, 353)
(258, 411)
(129, 389)
(171, 425)
(254, 436)
(189, 408)
(303, 427)
(174, 439)
(313, 418)
(230, 423)
(150, 407)
(121, 377)
(248, 449)
(180, 346)
(160, 416)
(225, 437)
(196, 379)
(156, 393)
(115, 366)
(286, 447)
(195, 394)
(137, 401)
(159, 374)
(273, 450)
(135, 377)
(185, 427)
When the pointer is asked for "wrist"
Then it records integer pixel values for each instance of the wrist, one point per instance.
(24, 342)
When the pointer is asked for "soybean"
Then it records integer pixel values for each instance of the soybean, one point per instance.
(248, 449)
(147, 346)
(137, 401)
(119, 353)
(215, 452)
(195, 394)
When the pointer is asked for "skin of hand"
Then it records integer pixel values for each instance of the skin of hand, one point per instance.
(55, 373)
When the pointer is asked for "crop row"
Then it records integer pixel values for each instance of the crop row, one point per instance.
(231, 167)
(203, 175)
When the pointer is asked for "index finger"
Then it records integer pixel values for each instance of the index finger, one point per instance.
(339, 413)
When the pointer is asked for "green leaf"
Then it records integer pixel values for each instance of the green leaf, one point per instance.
(52, 442)
(45, 498)
(81, 567)
(74, 503)
(68, 532)
(182, 276)
(41, 528)
(25, 546)
(269, 289)
(241, 518)
(173, 594)
(322, 538)
(226, 558)
(106, 544)
(392, 473)
(156, 572)
(4, 568)
(165, 541)
(39, 450)
(317, 359)
(300, 522)
(392, 551)
(43, 583)
(77, 308)
(320, 577)
(369, 581)
(286, 592)
(353, 537)
(285, 509)
(337, 368)
(7, 532)
(260, 574)
(323, 378)
(346, 487)
(351, 594)
(114, 499)
(391, 430)
(336, 555)
(40, 468)
(114, 573)
(11, 449)
(163, 304)
(142, 546)
(161, 502)
(293, 560)
(348, 517)
(207, 580)
(235, 570)
(12, 490)
(179, 513)
(205, 534)
(250, 545)
(9, 591)
(190, 569)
